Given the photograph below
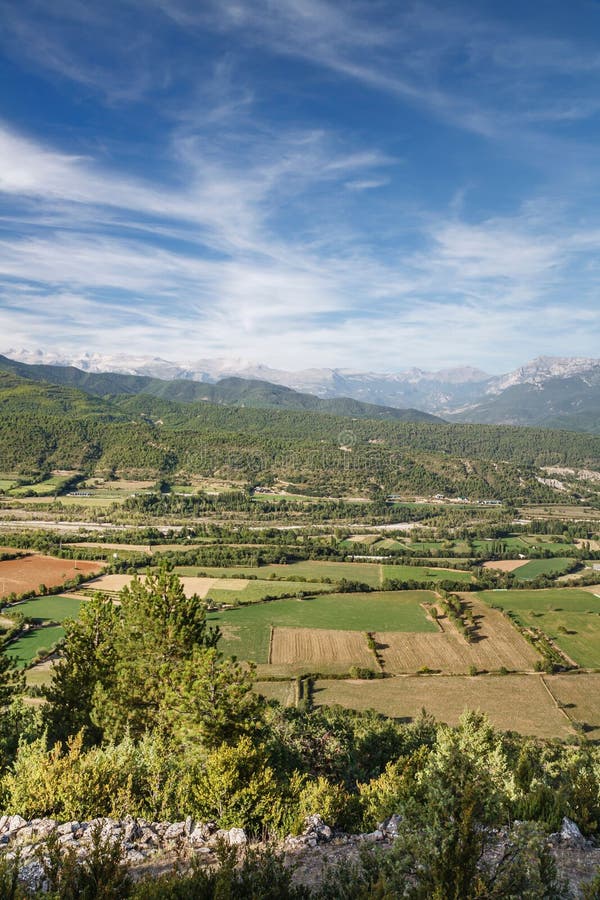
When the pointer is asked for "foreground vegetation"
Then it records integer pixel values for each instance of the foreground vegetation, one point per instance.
(146, 717)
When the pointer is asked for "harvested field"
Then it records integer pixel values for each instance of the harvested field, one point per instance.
(362, 539)
(593, 545)
(319, 648)
(191, 586)
(28, 573)
(40, 675)
(497, 644)
(580, 695)
(512, 702)
(405, 653)
(505, 565)
(111, 583)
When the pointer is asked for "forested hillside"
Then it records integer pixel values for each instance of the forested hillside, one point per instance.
(45, 426)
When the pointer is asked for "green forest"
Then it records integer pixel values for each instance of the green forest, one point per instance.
(45, 427)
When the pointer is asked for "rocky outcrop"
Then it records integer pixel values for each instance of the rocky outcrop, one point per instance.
(143, 843)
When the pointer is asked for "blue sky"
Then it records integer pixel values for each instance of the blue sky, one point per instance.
(369, 185)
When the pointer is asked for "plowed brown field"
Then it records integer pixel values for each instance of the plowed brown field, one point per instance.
(28, 573)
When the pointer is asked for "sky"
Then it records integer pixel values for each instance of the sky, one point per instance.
(365, 185)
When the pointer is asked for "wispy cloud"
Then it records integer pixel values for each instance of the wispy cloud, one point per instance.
(230, 283)
(283, 233)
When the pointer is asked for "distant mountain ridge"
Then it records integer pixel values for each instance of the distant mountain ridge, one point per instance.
(548, 391)
(228, 391)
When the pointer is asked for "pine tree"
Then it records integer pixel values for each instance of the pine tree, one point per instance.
(87, 660)
(158, 630)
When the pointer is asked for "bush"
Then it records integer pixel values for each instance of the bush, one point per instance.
(238, 788)
(380, 797)
(331, 801)
(115, 780)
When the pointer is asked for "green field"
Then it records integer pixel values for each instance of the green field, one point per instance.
(27, 647)
(311, 570)
(388, 544)
(49, 609)
(425, 573)
(259, 589)
(552, 542)
(246, 630)
(537, 567)
(45, 488)
(568, 615)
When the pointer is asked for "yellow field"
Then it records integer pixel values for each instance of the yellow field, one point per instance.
(580, 695)
(191, 586)
(497, 644)
(512, 702)
(505, 565)
(40, 675)
(319, 648)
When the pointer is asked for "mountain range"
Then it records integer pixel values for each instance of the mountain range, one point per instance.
(560, 392)
(232, 391)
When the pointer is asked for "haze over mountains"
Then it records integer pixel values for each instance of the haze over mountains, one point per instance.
(559, 392)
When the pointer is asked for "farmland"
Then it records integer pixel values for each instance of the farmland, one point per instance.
(531, 709)
(496, 645)
(311, 570)
(17, 576)
(28, 646)
(272, 563)
(579, 695)
(571, 617)
(536, 567)
(49, 609)
(296, 650)
(221, 590)
(505, 565)
(425, 573)
(246, 631)
(371, 574)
